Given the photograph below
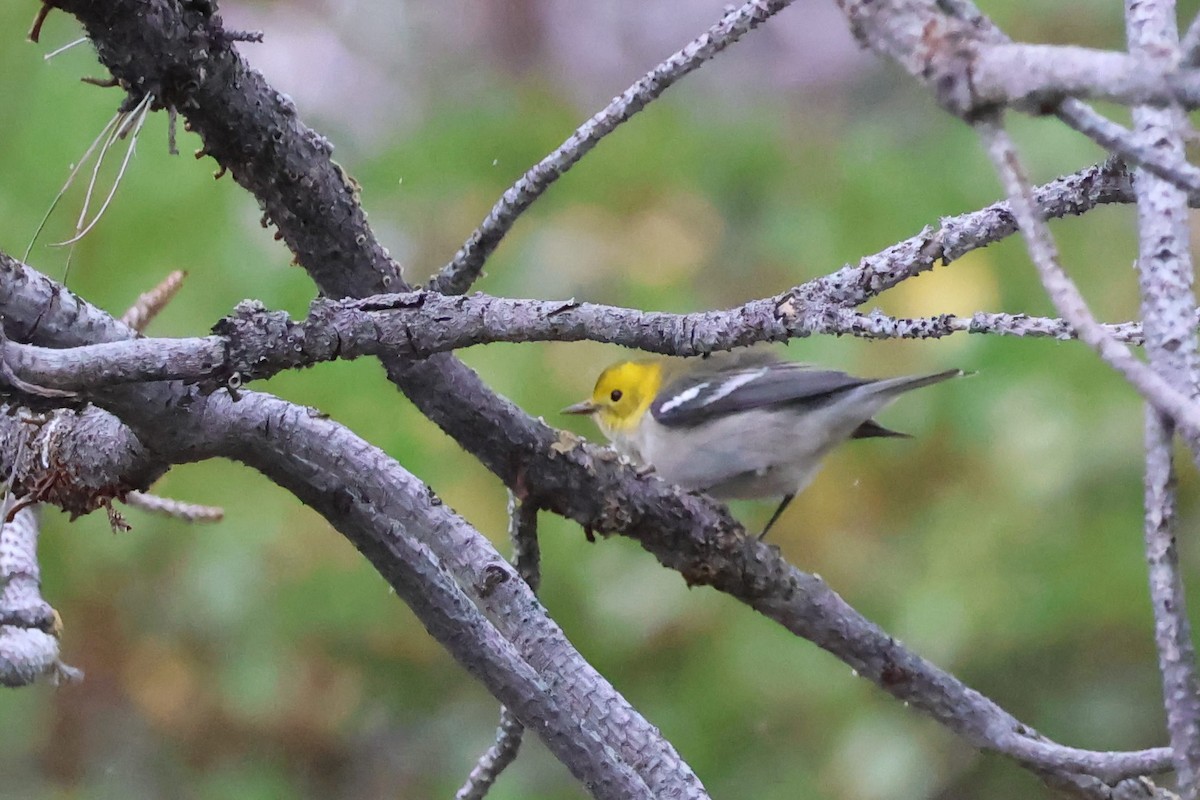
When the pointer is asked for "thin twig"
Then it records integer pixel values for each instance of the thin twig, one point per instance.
(1172, 630)
(104, 83)
(172, 124)
(495, 759)
(1121, 141)
(930, 40)
(1062, 290)
(522, 532)
(39, 19)
(462, 271)
(1189, 46)
(877, 325)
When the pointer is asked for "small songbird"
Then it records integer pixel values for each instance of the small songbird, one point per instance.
(739, 427)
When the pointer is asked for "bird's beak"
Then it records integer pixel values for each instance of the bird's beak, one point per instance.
(586, 407)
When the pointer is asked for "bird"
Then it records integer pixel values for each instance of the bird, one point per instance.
(739, 427)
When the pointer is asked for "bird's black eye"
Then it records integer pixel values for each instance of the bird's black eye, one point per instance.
(616, 395)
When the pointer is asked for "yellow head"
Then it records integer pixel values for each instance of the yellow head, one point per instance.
(622, 396)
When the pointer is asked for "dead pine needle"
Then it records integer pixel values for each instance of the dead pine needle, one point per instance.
(149, 304)
(124, 124)
(131, 126)
(64, 48)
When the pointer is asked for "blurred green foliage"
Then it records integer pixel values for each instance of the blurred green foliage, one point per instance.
(262, 658)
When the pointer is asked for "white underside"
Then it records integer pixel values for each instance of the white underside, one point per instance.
(761, 453)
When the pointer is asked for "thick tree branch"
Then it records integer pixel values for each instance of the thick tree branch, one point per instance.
(72, 459)
(1038, 76)
(258, 426)
(418, 544)
(939, 42)
(313, 457)
(187, 426)
(686, 533)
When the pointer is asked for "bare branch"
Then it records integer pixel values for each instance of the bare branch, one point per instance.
(1172, 629)
(77, 461)
(413, 571)
(255, 344)
(1168, 308)
(523, 535)
(330, 238)
(937, 49)
(1037, 76)
(721, 555)
(117, 363)
(495, 760)
(526, 559)
(941, 49)
(351, 329)
(877, 325)
(1118, 139)
(1080, 116)
(973, 68)
(954, 237)
(1189, 47)
(685, 532)
(457, 276)
(187, 426)
(1086, 788)
(29, 627)
(21, 602)
(1065, 294)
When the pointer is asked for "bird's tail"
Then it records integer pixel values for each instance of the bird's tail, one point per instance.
(890, 388)
(896, 386)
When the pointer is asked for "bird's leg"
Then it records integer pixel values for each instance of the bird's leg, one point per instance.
(787, 498)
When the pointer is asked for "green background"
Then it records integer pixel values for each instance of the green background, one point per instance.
(261, 657)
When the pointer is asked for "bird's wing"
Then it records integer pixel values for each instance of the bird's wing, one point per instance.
(699, 398)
